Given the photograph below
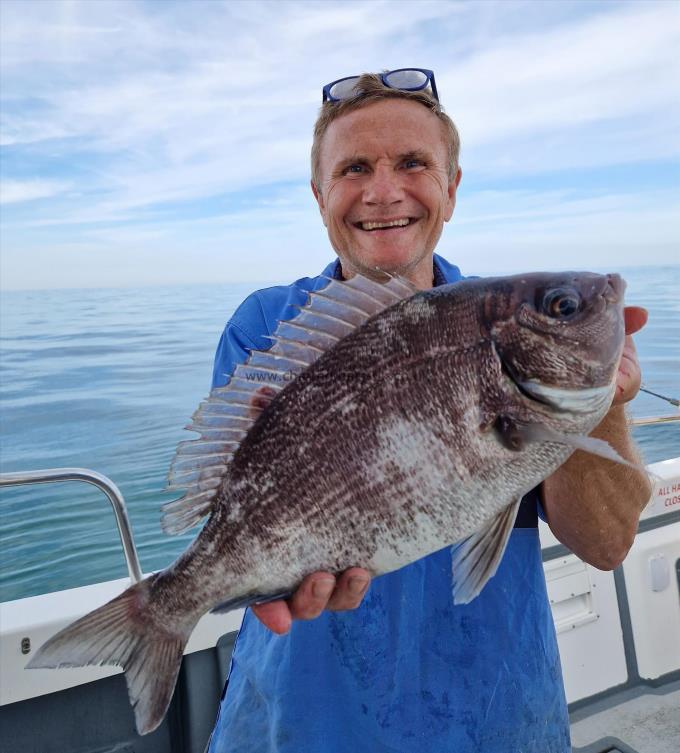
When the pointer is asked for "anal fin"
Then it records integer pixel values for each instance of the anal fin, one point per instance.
(248, 600)
(477, 557)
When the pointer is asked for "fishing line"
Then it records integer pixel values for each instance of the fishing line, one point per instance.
(670, 400)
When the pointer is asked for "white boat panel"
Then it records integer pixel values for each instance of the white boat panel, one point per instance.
(570, 592)
(654, 599)
(40, 617)
(666, 494)
(585, 608)
(589, 634)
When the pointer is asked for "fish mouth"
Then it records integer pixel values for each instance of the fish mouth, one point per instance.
(616, 288)
(562, 399)
(586, 400)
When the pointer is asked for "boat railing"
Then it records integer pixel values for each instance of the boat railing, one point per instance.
(647, 420)
(113, 493)
(115, 497)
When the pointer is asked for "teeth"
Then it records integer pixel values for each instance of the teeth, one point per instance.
(393, 223)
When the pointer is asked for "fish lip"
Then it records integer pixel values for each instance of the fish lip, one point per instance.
(564, 400)
(561, 399)
(616, 288)
(533, 396)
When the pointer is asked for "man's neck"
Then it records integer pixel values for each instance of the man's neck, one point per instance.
(423, 276)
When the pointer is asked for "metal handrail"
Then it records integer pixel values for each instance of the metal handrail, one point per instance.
(645, 421)
(20, 478)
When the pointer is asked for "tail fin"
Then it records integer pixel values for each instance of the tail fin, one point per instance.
(123, 633)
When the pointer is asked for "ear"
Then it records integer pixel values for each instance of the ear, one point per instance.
(319, 201)
(451, 191)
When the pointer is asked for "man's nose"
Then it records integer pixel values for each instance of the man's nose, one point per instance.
(384, 187)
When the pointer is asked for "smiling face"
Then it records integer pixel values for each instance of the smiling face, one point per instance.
(385, 191)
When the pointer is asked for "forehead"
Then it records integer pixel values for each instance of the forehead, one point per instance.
(386, 128)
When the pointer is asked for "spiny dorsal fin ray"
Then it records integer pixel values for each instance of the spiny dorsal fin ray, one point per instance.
(295, 349)
(223, 424)
(318, 338)
(342, 292)
(236, 384)
(326, 303)
(283, 361)
(323, 321)
(402, 287)
(227, 415)
(395, 289)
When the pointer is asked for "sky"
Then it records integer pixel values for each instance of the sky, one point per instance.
(153, 142)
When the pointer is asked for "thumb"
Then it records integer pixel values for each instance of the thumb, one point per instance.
(635, 318)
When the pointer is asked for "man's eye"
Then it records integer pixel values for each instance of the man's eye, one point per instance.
(354, 169)
(411, 163)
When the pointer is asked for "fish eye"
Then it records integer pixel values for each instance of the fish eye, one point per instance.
(561, 303)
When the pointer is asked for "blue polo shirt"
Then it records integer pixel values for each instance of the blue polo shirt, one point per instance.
(406, 672)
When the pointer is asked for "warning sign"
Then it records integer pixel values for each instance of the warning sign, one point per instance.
(665, 497)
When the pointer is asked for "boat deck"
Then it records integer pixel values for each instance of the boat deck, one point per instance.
(637, 720)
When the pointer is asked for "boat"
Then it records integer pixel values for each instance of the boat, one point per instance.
(618, 634)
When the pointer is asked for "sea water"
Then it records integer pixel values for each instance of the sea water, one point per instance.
(107, 379)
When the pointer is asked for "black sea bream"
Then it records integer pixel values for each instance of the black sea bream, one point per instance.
(417, 420)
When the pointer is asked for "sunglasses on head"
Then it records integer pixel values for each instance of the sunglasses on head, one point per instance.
(405, 79)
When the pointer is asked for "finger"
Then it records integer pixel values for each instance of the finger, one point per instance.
(629, 351)
(311, 597)
(350, 589)
(274, 615)
(629, 376)
(635, 318)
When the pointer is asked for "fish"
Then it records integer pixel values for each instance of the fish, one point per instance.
(384, 423)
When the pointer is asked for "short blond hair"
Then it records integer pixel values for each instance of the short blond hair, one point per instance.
(369, 89)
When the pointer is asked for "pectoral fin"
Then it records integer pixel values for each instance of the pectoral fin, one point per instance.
(591, 445)
(476, 558)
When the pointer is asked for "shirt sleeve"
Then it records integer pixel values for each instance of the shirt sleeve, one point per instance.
(245, 331)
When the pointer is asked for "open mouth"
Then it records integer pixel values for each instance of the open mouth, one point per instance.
(373, 225)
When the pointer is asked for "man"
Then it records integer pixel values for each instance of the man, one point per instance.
(406, 670)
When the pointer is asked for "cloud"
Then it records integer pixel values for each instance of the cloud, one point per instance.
(570, 75)
(14, 191)
(160, 115)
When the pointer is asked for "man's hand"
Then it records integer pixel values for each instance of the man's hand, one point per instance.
(629, 377)
(593, 506)
(317, 592)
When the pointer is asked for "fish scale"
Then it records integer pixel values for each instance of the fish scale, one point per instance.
(422, 419)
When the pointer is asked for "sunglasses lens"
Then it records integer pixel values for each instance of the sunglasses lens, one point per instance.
(409, 79)
(344, 89)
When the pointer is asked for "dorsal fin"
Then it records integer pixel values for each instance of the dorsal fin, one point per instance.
(227, 415)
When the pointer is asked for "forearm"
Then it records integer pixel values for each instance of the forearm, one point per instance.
(593, 505)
